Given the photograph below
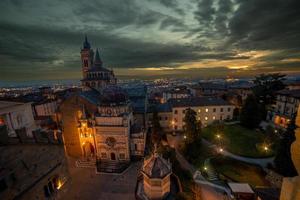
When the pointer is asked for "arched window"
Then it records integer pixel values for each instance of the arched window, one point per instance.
(85, 63)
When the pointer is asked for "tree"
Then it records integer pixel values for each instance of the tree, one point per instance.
(236, 114)
(266, 85)
(270, 134)
(265, 88)
(157, 132)
(250, 113)
(192, 127)
(283, 161)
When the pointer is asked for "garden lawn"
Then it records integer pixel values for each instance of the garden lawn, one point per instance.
(238, 171)
(238, 140)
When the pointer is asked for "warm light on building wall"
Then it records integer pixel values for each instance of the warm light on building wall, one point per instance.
(206, 109)
(83, 124)
(59, 184)
(206, 118)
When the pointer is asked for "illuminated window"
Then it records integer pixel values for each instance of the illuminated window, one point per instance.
(206, 109)
(214, 117)
(2, 122)
(206, 118)
(199, 111)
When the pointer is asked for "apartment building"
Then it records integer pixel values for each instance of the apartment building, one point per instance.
(287, 102)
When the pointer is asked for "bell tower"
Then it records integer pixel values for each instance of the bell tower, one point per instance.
(87, 56)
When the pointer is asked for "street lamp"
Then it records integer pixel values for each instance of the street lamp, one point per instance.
(184, 137)
(173, 126)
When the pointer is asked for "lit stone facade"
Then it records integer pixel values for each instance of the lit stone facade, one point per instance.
(112, 128)
(291, 186)
(208, 109)
(99, 129)
(98, 123)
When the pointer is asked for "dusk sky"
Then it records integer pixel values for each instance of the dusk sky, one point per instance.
(41, 39)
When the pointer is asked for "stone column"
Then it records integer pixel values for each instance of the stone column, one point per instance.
(291, 186)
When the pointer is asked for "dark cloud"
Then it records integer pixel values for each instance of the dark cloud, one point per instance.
(222, 15)
(205, 12)
(44, 37)
(268, 24)
(174, 5)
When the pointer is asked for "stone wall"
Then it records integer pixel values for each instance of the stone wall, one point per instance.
(69, 120)
(29, 169)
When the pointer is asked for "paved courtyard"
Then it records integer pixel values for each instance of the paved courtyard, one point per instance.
(86, 185)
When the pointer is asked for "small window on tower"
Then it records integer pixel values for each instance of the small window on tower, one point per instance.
(85, 63)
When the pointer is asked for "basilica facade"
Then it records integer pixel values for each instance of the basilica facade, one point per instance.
(98, 124)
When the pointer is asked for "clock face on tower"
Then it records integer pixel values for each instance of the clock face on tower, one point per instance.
(110, 141)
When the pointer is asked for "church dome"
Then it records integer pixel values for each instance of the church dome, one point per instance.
(113, 95)
(156, 167)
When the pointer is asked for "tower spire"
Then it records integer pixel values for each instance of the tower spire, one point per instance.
(83, 116)
(98, 60)
(86, 44)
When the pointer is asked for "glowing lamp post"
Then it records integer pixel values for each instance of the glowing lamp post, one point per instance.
(173, 126)
(221, 150)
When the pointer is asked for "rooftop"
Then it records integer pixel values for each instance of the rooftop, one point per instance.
(156, 167)
(209, 86)
(240, 188)
(291, 93)
(198, 101)
(9, 104)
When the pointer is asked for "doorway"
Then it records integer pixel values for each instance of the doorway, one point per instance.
(113, 156)
(88, 150)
